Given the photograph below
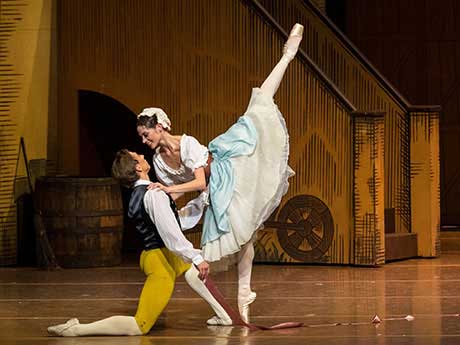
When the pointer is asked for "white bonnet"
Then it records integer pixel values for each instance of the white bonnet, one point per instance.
(162, 118)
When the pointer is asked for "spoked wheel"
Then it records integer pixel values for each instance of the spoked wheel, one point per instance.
(305, 228)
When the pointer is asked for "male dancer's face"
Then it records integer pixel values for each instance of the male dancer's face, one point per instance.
(142, 165)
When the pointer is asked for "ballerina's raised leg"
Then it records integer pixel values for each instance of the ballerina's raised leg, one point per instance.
(272, 83)
(246, 255)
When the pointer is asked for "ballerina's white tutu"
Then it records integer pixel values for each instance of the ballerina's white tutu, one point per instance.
(257, 150)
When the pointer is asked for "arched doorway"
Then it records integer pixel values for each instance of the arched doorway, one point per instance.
(107, 126)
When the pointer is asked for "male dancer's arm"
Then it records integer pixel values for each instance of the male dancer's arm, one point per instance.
(156, 203)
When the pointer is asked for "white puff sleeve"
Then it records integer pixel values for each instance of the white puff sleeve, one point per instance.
(193, 154)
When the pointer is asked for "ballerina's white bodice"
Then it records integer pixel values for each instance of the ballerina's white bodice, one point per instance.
(193, 155)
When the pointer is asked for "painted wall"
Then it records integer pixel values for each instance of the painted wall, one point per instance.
(27, 29)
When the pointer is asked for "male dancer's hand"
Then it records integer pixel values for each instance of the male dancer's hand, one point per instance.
(204, 270)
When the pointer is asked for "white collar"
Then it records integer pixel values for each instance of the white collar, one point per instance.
(141, 183)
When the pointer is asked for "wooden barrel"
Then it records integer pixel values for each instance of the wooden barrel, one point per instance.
(83, 218)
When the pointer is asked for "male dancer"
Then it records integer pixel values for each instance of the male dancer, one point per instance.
(162, 260)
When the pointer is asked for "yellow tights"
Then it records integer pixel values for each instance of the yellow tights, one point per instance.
(161, 268)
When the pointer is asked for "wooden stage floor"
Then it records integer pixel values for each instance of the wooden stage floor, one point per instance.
(319, 296)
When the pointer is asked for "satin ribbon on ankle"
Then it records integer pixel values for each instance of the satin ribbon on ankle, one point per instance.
(236, 318)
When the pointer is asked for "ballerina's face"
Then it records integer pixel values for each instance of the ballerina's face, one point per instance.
(150, 136)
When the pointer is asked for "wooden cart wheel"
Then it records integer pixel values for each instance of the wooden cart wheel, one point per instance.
(305, 228)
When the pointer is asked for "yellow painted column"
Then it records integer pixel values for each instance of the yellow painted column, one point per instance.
(26, 27)
(368, 185)
(425, 180)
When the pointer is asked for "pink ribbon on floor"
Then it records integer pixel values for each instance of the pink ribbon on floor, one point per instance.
(236, 318)
(237, 321)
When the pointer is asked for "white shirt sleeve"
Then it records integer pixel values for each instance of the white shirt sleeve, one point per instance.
(156, 204)
(193, 154)
(191, 213)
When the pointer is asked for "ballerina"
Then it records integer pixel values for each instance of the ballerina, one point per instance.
(242, 174)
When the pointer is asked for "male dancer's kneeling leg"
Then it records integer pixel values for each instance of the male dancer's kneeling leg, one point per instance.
(167, 254)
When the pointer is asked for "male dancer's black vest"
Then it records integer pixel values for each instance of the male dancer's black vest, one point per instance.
(144, 225)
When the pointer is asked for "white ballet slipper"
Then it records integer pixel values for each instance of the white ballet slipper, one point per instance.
(217, 321)
(58, 330)
(292, 44)
(220, 331)
(243, 306)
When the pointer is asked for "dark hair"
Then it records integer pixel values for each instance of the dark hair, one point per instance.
(124, 168)
(147, 121)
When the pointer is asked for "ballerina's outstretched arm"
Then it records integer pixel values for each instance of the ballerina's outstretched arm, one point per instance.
(197, 184)
(272, 83)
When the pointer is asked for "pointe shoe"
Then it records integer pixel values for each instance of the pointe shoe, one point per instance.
(292, 44)
(243, 307)
(58, 330)
(217, 321)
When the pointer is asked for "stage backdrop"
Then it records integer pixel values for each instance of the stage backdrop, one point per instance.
(199, 60)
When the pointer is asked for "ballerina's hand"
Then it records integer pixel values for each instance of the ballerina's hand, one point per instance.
(157, 185)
